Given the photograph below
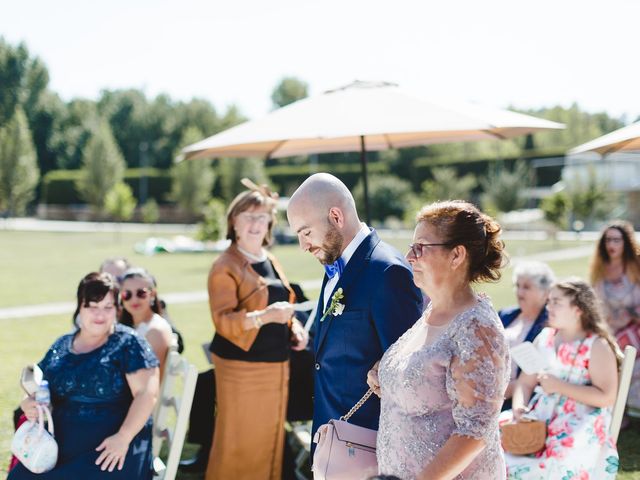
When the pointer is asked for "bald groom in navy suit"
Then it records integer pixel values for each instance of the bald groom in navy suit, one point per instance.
(380, 299)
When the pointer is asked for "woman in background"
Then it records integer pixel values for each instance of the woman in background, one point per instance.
(250, 300)
(523, 323)
(141, 311)
(576, 392)
(615, 276)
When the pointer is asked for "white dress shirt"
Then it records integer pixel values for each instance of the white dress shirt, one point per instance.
(346, 256)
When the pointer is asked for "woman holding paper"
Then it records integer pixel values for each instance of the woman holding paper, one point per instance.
(442, 383)
(574, 395)
(250, 301)
(524, 322)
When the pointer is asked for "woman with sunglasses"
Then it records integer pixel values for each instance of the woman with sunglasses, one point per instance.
(104, 384)
(615, 276)
(141, 311)
(250, 300)
(442, 383)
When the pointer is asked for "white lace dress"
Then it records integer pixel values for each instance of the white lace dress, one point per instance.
(452, 386)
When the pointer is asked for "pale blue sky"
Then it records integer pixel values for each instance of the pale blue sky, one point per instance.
(494, 52)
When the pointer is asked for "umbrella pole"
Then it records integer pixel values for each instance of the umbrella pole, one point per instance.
(363, 162)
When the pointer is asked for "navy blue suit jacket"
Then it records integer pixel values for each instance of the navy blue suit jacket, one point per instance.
(381, 303)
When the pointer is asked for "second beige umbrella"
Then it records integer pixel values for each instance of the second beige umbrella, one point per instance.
(624, 139)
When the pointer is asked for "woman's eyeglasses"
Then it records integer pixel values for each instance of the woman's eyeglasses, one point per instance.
(139, 293)
(613, 240)
(260, 218)
(418, 248)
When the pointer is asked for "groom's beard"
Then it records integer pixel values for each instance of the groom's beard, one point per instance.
(332, 245)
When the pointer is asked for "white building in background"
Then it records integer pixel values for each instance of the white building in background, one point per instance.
(621, 172)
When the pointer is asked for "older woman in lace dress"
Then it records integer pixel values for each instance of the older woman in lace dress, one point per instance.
(442, 383)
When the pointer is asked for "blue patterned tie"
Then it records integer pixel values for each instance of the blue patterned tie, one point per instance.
(335, 267)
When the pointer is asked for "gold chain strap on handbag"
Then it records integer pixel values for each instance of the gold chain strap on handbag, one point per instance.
(355, 408)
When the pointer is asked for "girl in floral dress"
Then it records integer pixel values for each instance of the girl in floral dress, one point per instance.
(574, 395)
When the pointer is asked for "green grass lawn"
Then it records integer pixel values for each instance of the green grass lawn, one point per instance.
(46, 267)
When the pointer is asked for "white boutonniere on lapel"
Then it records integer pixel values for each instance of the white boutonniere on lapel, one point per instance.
(335, 307)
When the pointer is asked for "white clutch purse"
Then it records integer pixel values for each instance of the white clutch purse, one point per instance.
(34, 446)
(31, 378)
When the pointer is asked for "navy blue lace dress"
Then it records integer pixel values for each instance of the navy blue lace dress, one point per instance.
(90, 398)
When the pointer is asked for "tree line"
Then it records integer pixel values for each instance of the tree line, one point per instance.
(125, 129)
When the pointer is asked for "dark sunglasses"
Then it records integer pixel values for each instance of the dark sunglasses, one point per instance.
(140, 293)
(418, 248)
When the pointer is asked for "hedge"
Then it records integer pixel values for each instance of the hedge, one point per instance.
(59, 186)
(288, 177)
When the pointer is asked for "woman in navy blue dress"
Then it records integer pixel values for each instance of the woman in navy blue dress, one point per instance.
(104, 383)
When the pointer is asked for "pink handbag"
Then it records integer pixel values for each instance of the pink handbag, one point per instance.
(345, 451)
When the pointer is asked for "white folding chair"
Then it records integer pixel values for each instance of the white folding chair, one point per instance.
(300, 433)
(623, 390)
(174, 397)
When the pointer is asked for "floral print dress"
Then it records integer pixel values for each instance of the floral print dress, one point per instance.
(578, 445)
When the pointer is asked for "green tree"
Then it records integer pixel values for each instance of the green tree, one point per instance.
(232, 170)
(102, 167)
(589, 197)
(503, 187)
(13, 68)
(45, 120)
(556, 209)
(19, 172)
(289, 90)
(191, 180)
(389, 196)
(36, 82)
(23, 79)
(73, 132)
(120, 203)
(447, 185)
(150, 211)
(581, 126)
(128, 114)
(214, 223)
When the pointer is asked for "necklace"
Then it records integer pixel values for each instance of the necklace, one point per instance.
(254, 258)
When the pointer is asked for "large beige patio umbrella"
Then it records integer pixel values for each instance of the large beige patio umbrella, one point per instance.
(359, 117)
(622, 140)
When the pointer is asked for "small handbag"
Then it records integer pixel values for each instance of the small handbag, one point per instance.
(524, 438)
(345, 451)
(527, 437)
(34, 446)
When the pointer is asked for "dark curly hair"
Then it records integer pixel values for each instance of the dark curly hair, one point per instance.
(462, 223)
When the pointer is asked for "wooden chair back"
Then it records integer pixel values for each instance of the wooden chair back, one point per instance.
(623, 390)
